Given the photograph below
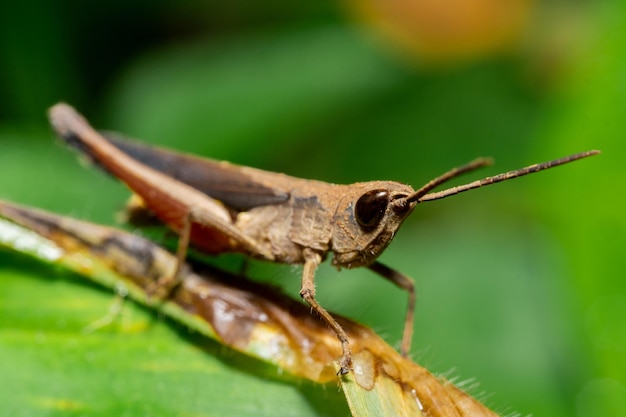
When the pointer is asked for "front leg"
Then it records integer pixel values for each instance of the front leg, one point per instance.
(307, 292)
(408, 285)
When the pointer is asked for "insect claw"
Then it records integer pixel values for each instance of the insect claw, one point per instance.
(345, 366)
(343, 371)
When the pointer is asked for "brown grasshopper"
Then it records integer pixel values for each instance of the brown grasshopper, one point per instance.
(220, 207)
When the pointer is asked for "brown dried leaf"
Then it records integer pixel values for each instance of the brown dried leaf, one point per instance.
(251, 318)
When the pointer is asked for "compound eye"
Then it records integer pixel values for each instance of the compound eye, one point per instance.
(370, 208)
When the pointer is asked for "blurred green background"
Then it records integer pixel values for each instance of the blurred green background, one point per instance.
(521, 286)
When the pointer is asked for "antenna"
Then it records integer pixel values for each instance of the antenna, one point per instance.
(497, 178)
(423, 194)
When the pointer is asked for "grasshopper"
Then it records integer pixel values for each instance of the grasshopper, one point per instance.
(219, 207)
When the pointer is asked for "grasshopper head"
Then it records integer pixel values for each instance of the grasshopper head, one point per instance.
(366, 221)
(370, 213)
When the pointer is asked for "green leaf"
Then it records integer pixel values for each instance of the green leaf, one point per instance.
(143, 364)
(248, 317)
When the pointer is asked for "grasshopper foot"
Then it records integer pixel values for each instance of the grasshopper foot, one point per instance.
(345, 364)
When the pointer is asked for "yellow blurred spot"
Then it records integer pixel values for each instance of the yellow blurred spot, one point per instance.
(447, 30)
(61, 404)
